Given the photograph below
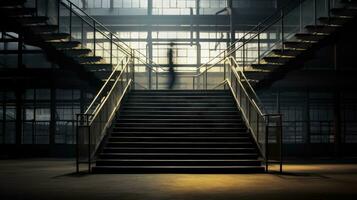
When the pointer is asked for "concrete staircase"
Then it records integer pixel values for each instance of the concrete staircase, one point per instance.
(178, 131)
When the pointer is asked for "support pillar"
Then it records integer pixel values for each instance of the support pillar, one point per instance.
(19, 116)
(337, 123)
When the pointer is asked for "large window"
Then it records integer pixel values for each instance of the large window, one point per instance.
(210, 7)
(173, 7)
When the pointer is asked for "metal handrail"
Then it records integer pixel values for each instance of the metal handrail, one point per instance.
(111, 34)
(255, 97)
(104, 85)
(91, 127)
(246, 114)
(229, 51)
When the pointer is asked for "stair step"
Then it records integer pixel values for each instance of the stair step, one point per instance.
(171, 109)
(178, 129)
(102, 74)
(54, 36)
(98, 66)
(179, 150)
(321, 28)
(179, 117)
(180, 97)
(5, 3)
(178, 156)
(266, 66)
(180, 144)
(181, 93)
(298, 44)
(181, 104)
(163, 101)
(179, 134)
(350, 3)
(29, 19)
(42, 28)
(87, 59)
(64, 44)
(166, 162)
(287, 52)
(169, 125)
(177, 139)
(7, 12)
(344, 12)
(310, 36)
(335, 20)
(178, 169)
(277, 59)
(177, 113)
(197, 121)
(76, 52)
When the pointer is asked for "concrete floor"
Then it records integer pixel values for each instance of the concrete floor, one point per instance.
(54, 179)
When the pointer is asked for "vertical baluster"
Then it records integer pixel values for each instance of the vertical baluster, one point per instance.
(282, 30)
(94, 37)
(82, 34)
(36, 8)
(258, 43)
(206, 74)
(300, 16)
(58, 15)
(243, 53)
(315, 12)
(70, 21)
(111, 48)
(328, 11)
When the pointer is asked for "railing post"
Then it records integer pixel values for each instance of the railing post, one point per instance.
(300, 16)
(36, 8)
(94, 37)
(111, 48)
(70, 21)
(224, 67)
(58, 15)
(329, 11)
(259, 43)
(89, 147)
(157, 79)
(281, 143)
(133, 66)
(282, 30)
(82, 34)
(257, 127)
(315, 12)
(193, 82)
(77, 143)
(243, 55)
(206, 77)
(266, 147)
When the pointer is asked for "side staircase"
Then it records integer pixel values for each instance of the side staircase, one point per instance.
(58, 46)
(179, 131)
(299, 48)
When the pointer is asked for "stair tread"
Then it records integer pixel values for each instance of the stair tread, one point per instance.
(180, 166)
(163, 123)
(253, 154)
(181, 160)
(208, 133)
(170, 137)
(179, 148)
(109, 142)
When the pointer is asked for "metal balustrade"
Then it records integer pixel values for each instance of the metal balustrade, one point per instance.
(225, 71)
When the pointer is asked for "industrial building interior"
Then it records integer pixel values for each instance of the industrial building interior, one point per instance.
(178, 99)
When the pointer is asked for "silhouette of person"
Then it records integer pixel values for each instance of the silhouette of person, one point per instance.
(172, 75)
